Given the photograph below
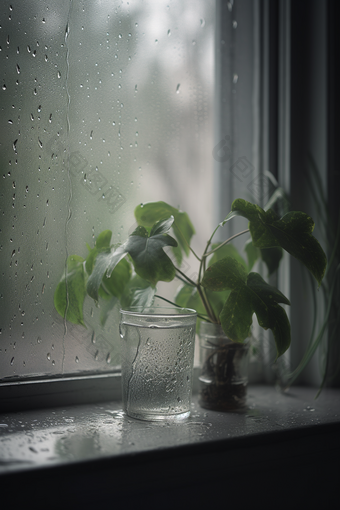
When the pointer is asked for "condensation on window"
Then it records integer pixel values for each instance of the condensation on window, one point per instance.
(104, 105)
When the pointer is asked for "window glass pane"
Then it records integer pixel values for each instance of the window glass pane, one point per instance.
(104, 104)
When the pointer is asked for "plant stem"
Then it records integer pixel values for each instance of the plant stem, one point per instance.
(225, 242)
(203, 317)
(186, 242)
(186, 277)
(206, 304)
(184, 281)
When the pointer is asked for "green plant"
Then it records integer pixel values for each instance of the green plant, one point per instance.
(226, 292)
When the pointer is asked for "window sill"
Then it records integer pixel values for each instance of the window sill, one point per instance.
(97, 454)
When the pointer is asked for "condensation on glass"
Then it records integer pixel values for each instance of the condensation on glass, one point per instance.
(104, 105)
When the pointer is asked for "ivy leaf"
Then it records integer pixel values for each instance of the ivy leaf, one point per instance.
(149, 259)
(226, 274)
(146, 251)
(120, 276)
(252, 253)
(147, 214)
(106, 307)
(104, 264)
(249, 294)
(188, 297)
(228, 250)
(71, 291)
(292, 232)
(112, 286)
(138, 292)
(270, 256)
(102, 243)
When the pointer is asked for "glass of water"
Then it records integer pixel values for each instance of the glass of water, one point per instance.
(157, 362)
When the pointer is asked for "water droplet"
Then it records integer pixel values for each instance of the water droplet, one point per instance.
(234, 24)
(15, 146)
(39, 340)
(169, 32)
(230, 5)
(120, 36)
(76, 359)
(4, 87)
(43, 20)
(10, 121)
(59, 74)
(18, 68)
(108, 358)
(177, 88)
(235, 78)
(50, 118)
(309, 408)
(136, 90)
(96, 355)
(48, 356)
(202, 21)
(40, 143)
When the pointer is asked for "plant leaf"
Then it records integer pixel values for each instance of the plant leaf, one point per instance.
(102, 243)
(147, 214)
(104, 264)
(249, 294)
(230, 216)
(118, 279)
(252, 253)
(228, 250)
(236, 315)
(106, 307)
(272, 258)
(225, 274)
(188, 297)
(149, 259)
(138, 292)
(71, 291)
(293, 232)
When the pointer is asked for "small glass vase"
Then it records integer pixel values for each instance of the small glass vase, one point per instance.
(224, 370)
(157, 362)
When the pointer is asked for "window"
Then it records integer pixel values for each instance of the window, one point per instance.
(106, 104)
(103, 105)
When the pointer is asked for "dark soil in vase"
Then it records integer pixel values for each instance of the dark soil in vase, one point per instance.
(222, 386)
